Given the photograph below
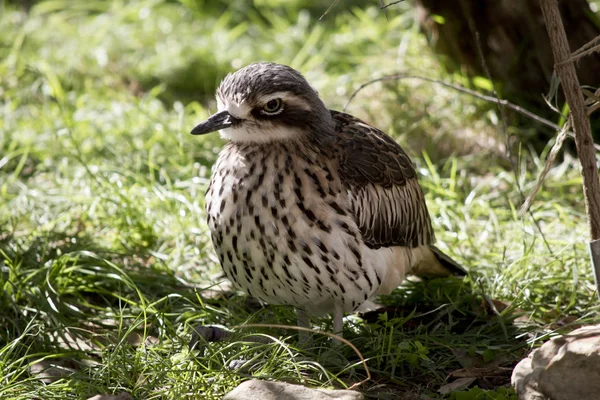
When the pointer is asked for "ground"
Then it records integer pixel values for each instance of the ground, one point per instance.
(106, 264)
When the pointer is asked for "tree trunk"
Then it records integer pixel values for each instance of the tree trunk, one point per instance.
(514, 43)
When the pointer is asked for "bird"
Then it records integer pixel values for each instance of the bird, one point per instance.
(310, 207)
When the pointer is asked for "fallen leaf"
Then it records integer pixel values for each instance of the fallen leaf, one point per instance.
(51, 370)
(480, 372)
(459, 384)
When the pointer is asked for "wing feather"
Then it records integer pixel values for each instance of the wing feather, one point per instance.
(386, 199)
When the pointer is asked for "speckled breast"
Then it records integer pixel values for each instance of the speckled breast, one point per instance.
(280, 226)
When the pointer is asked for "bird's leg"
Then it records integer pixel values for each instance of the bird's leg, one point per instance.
(303, 322)
(338, 319)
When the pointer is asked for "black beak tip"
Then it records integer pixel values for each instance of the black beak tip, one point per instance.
(197, 130)
(215, 122)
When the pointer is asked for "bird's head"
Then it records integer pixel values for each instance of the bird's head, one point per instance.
(267, 102)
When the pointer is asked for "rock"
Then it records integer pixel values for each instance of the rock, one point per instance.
(265, 390)
(51, 370)
(202, 334)
(564, 368)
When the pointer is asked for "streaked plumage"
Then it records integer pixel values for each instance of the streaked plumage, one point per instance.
(309, 207)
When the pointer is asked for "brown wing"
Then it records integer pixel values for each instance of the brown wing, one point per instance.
(387, 201)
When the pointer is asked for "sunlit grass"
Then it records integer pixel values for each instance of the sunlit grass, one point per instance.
(105, 259)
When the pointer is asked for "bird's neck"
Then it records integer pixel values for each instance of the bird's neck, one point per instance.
(277, 150)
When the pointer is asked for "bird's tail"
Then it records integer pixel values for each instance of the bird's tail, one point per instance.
(423, 261)
(434, 263)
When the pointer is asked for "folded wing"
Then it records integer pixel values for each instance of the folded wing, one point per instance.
(386, 199)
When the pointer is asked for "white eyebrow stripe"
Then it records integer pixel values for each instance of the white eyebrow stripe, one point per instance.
(288, 99)
(240, 110)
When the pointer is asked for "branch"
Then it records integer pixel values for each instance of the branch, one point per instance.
(581, 123)
(585, 50)
(462, 89)
(329, 9)
(384, 6)
(547, 165)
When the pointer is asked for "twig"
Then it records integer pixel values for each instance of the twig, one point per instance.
(549, 162)
(459, 88)
(384, 6)
(585, 50)
(465, 90)
(329, 9)
(592, 100)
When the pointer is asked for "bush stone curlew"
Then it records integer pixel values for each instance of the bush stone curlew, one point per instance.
(310, 207)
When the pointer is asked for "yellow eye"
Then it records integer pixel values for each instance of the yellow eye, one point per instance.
(273, 106)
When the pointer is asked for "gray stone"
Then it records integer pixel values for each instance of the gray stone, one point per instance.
(51, 370)
(265, 390)
(564, 368)
(120, 396)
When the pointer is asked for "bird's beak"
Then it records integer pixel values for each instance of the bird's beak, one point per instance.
(215, 122)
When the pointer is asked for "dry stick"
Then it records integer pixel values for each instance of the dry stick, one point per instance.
(549, 162)
(462, 89)
(592, 101)
(383, 6)
(560, 139)
(587, 49)
(581, 122)
(329, 9)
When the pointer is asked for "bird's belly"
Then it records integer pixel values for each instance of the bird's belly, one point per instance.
(284, 247)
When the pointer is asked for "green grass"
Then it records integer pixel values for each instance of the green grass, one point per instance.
(105, 260)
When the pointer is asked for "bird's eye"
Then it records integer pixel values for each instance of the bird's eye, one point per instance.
(273, 106)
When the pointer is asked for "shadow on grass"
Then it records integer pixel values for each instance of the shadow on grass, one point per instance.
(63, 296)
(426, 335)
(66, 299)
